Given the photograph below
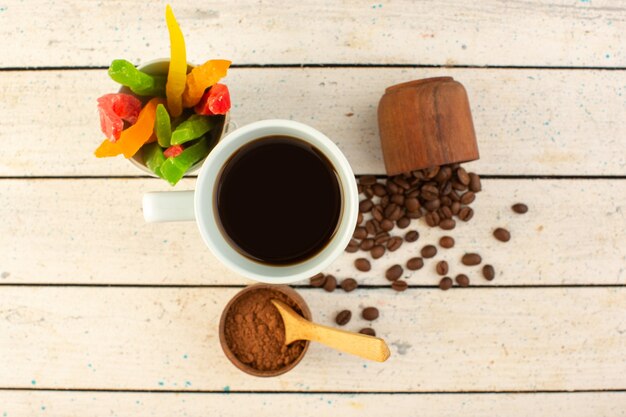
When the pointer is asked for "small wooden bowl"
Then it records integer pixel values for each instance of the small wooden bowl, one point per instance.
(284, 289)
(425, 123)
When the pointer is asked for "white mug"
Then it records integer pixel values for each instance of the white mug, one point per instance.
(198, 205)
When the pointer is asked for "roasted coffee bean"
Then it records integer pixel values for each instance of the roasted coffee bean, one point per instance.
(359, 188)
(411, 204)
(318, 280)
(367, 192)
(432, 219)
(360, 233)
(399, 285)
(331, 283)
(365, 206)
(353, 246)
(384, 202)
(445, 212)
(392, 188)
(372, 226)
(429, 192)
(362, 264)
(394, 243)
(411, 236)
(454, 196)
(386, 225)
(466, 213)
(397, 213)
(359, 218)
(403, 222)
(381, 238)
(397, 199)
(463, 176)
(488, 272)
(349, 284)
(474, 184)
(447, 224)
(502, 235)
(432, 205)
(390, 209)
(370, 313)
(414, 214)
(394, 272)
(471, 259)
(368, 331)
(468, 197)
(520, 208)
(414, 264)
(462, 280)
(343, 317)
(367, 180)
(411, 193)
(442, 267)
(458, 186)
(429, 251)
(379, 190)
(445, 188)
(377, 213)
(402, 182)
(455, 207)
(367, 244)
(445, 201)
(446, 242)
(445, 283)
(431, 172)
(377, 251)
(444, 174)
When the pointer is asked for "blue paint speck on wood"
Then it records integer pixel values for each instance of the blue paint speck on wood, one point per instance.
(43, 408)
(33, 382)
(227, 388)
(187, 383)
(161, 383)
(185, 356)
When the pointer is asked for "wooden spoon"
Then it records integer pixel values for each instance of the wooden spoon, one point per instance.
(298, 328)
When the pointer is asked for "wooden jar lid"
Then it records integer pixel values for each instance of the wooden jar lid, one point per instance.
(425, 123)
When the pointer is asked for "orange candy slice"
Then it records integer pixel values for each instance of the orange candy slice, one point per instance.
(202, 77)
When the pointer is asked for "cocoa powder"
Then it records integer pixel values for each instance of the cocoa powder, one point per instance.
(255, 333)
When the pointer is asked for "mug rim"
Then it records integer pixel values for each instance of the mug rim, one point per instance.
(206, 218)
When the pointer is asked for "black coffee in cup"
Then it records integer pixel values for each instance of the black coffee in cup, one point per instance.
(278, 200)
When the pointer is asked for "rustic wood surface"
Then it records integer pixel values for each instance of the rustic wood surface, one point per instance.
(101, 314)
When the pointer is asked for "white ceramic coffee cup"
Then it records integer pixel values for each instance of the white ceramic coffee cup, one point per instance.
(199, 205)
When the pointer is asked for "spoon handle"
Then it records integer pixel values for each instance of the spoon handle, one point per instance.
(367, 347)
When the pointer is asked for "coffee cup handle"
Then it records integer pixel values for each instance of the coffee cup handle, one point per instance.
(168, 206)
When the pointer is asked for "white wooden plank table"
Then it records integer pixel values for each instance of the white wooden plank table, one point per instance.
(101, 314)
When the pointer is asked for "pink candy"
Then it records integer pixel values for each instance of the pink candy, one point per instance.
(114, 109)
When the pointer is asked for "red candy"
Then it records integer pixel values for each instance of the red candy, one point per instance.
(114, 109)
(215, 101)
(173, 151)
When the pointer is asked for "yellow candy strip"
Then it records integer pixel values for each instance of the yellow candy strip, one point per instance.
(177, 74)
(202, 77)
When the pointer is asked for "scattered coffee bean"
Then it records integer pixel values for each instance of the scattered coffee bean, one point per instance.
(353, 246)
(370, 313)
(446, 242)
(520, 208)
(367, 244)
(377, 213)
(432, 205)
(367, 180)
(474, 184)
(463, 176)
(462, 280)
(397, 199)
(442, 268)
(447, 224)
(371, 226)
(377, 251)
(403, 222)
(428, 251)
(455, 207)
(471, 259)
(365, 206)
(379, 190)
(343, 317)
(330, 284)
(411, 236)
(363, 264)
(446, 213)
(386, 225)
(502, 235)
(394, 243)
(445, 283)
(359, 219)
(412, 204)
(394, 272)
(381, 238)
(399, 285)
(466, 213)
(488, 272)
(468, 197)
(360, 233)
(318, 280)
(415, 263)
(349, 284)
(367, 192)
(368, 331)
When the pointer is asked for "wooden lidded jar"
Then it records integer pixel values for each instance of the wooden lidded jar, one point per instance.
(426, 123)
